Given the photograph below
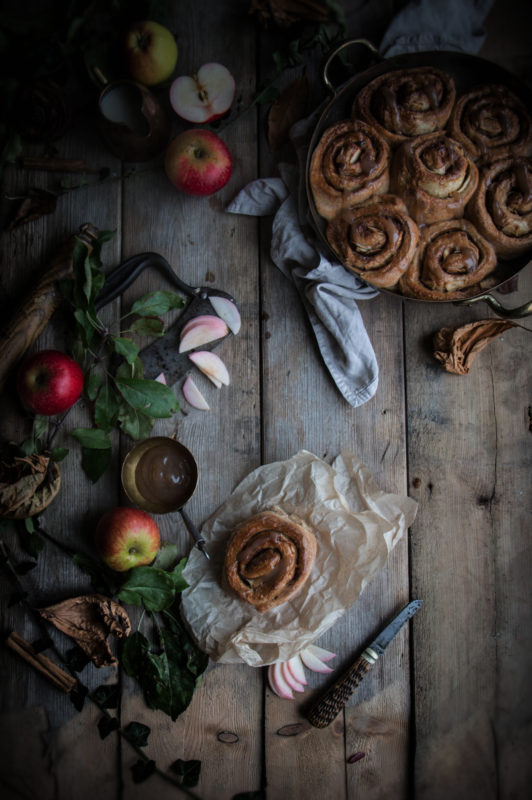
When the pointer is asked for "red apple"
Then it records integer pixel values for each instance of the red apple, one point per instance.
(49, 382)
(205, 96)
(198, 162)
(127, 537)
(150, 51)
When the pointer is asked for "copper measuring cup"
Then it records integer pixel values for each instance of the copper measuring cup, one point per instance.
(159, 475)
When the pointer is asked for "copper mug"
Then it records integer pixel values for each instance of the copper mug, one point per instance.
(133, 122)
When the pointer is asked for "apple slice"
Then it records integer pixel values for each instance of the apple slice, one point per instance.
(313, 662)
(277, 682)
(212, 366)
(193, 396)
(205, 96)
(289, 678)
(161, 378)
(321, 653)
(227, 310)
(295, 665)
(202, 331)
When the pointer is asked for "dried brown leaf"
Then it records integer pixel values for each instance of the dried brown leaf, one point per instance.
(286, 110)
(34, 205)
(89, 620)
(28, 485)
(284, 13)
(455, 348)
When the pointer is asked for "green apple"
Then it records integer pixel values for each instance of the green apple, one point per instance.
(127, 537)
(150, 51)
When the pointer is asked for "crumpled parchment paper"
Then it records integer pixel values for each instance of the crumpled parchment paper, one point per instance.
(357, 526)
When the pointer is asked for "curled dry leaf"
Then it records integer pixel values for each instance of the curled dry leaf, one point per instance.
(284, 13)
(289, 107)
(455, 348)
(37, 203)
(28, 484)
(88, 620)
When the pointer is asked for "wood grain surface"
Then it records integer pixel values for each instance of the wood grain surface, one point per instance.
(445, 713)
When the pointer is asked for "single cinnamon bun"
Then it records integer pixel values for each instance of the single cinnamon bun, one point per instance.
(452, 260)
(434, 176)
(501, 208)
(377, 240)
(491, 122)
(349, 165)
(268, 559)
(406, 102)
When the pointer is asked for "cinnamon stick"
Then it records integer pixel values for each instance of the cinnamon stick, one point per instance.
(57, 676)
(56, 164)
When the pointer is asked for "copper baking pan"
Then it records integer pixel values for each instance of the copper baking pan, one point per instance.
(467, 71)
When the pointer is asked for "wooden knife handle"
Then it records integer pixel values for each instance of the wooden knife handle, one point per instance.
(33, 314)
(328, 706)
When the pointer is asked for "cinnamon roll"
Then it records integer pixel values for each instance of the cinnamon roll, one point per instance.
(452, 260)
(349, 165)
(434, 176)
(268, 559)
(406, 102)
(377, 240)
(501, 208)
(490, 121)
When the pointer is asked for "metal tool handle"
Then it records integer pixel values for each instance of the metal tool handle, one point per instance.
(509, 313)
(329, 705)
(196, 535)
(337, 50)
(124, 275)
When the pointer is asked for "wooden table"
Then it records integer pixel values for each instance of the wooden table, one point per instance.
(446, 713)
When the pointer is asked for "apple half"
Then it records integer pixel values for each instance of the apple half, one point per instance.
(205, 96)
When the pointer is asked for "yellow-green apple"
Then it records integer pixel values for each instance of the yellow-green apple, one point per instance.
(150, 51)
(198, 162)
(49, 382)
(127, 537)
(205, 96)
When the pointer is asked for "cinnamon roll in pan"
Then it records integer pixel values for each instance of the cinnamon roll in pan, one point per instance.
(491, 122)
(434, 176)
(406, 102)
(268, 559)
(452, 262)
(376, 240)
(501, 208)
(349, 166)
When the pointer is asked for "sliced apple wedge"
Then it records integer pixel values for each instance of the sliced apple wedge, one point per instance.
(212, 366)
(205, 96)
(201, 331)
(289, 678)
(313, 662)
(295, 665)
(321, 653)
(193, 396)
(228, 311)
(277, 682)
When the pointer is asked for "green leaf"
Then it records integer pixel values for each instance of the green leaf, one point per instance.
(151, 397)
(95, 571)
(137, 734)
(106, 696)
(148, 586)
(134, 423)
(156, 303)
(148, 326)
(93, 383)
(142, 770)
(167, 557)
(127, 348)
(106, 408)
(135, 370)
(188, 771)
(135, 653)
(40, 427)
(94, 462)
(107, 725)
(92, 438)
(58, 453)
(180, 583)
(30, 542)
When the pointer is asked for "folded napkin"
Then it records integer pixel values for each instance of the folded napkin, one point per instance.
(328, 291)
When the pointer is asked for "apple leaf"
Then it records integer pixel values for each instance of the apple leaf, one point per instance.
(188, 771)
(137, 734)
(125, 347)
(156, 303)
(92, 438)
(134, 423)
(148, 326)
(151, 397)
(94, 462)
(142, 770)
(148, 586)
(106, 408)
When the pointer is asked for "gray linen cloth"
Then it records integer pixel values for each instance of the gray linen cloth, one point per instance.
(328, 291)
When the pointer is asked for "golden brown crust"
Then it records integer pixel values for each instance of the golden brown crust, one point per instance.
(501, 208)
(377, 241)
(434, 176)
(452, 260)
(349, 165)
(268, 559)
(491, 122)
(406, 102)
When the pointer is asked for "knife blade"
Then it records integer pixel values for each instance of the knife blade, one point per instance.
(328, 705)
(162, 355)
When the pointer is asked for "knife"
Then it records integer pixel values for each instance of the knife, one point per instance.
(329, 704)
(162, 355)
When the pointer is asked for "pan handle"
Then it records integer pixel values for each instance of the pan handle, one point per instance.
(509, 313)
(337, 51)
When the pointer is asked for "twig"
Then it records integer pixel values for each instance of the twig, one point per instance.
(56, 164)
